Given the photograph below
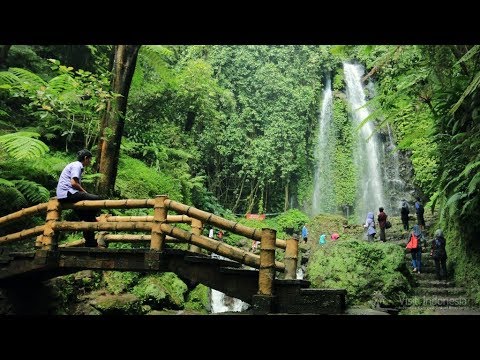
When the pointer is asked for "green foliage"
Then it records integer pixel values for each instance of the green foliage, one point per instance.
(162, 289)
(199, 299)
(67, 106)
(135, 180)
(363, 269)
(118, 282)
(23, 145)
(345, 177)
(293, 218)
(12, 198)
(33, 192)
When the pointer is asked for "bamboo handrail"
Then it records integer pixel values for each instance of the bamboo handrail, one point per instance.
(218, 247)
(101, 226)
(32, 210)
(148, 218)
(110, 204)
(120, 238)
(136, 238)
(282, 244)
(24, 234)
(210, 218)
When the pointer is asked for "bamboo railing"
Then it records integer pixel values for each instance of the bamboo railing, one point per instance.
(161, 231)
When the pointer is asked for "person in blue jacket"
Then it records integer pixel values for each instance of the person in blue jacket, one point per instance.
(305, 233)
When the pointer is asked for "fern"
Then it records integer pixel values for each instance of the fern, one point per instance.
(469, 168)
(451, 204)
(12, 199)
(25, 76)
(22, 145)
(6, 183)
(471, 88)
(33, 192)
(62, 83)
(7, 78)
(473, 185)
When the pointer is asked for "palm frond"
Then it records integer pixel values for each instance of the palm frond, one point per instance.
(470, 88)
(470, 53)
(25, 76)
(33, 192)
(8, 78)
(62, 83)
(23, 145)
(6, 183)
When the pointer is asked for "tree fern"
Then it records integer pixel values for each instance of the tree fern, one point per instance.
(23, 145)
(7, 78)
(6, 183)
(12, 199)
(28, 77)
(33, 192)
(62, 83)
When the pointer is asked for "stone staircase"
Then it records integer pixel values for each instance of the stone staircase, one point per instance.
(436, 297)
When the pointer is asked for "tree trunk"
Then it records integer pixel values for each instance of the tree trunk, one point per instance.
(285, 205)
(112, 123)
(3, 54)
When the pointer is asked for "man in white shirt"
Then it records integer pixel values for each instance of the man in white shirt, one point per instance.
(70, 189)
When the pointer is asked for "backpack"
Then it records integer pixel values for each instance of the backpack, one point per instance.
(405, 209)
(419, 207)
(388, 224)
(413, 243)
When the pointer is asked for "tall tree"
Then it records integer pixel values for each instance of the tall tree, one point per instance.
(112, 123)
(3, 53)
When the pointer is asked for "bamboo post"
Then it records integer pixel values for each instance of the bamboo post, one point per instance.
(53, 214)
(291, 257)
(266, 273)
(197, 227)
(101, 235)
(159, 217)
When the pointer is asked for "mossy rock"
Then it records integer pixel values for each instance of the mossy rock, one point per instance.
(373, 273)
(117, 282)
(123, 304)
(199, 299)
(163, 290)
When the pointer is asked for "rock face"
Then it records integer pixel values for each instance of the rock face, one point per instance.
(91, 293)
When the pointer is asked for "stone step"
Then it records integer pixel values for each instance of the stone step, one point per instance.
(440, 291)
(426, 276)
(424, 282)
(440, 310)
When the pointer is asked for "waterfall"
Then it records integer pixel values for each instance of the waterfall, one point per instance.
(370, 188)
(223, 303)
(323, 194)
(299, 274)
(219, 302)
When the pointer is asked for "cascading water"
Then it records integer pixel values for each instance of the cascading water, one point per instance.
(370, 194)
(323, 195)
(219, 302)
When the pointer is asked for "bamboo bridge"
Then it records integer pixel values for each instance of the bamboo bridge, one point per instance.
(243, 275)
